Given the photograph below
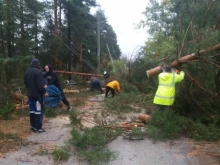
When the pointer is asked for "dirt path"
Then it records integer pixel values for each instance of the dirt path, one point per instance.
(36, 148)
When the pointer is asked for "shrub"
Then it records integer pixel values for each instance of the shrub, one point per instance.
(60, 154)
(6, 111)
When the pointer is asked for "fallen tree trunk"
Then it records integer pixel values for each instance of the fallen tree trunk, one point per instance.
(181, 60)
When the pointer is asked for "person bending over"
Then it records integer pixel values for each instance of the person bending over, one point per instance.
(52, 79)
(114, 87)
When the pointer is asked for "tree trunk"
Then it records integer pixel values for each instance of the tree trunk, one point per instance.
(22, 28)
(2, 38)
(8, 22)
(155, 71)
(36, 34)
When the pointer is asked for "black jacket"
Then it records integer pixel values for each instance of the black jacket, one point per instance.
(33, 80)
(52, 78)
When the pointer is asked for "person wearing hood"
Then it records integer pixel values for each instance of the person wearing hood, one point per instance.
(165, 93)
(52, 79)
(34, 82)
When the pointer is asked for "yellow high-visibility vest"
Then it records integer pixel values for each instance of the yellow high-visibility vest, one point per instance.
(166, 89)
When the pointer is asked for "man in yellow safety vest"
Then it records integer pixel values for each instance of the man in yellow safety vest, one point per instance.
(165, 94)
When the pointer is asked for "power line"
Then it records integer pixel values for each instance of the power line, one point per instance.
(72, 50)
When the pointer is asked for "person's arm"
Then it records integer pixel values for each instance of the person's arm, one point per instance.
(25, 81)
(179, 77)
(40, 83)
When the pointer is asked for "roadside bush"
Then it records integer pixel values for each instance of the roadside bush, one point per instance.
(61, 154)
(91, 144)
(125, 102)
(7, 111)
(74, 117)
(168, 125)
(204, 132)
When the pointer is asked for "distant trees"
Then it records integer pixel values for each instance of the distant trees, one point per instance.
(179, 28)
(49, 29)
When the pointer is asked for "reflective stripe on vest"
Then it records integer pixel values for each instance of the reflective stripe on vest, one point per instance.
(170, 85)
(165, 97)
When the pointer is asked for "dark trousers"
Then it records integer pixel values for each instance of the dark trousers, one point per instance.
(163, 107)
(108, 89)
(64, 100)
(36, 111)
(96, 84)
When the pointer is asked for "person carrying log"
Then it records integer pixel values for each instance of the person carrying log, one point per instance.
(165, 93)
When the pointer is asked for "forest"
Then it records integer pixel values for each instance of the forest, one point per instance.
(64, 34)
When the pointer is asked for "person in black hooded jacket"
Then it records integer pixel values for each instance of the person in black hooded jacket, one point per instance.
(52, 79)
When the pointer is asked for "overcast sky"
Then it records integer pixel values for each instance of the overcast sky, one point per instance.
(122, 15)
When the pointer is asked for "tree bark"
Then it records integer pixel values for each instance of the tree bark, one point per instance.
(194, 56)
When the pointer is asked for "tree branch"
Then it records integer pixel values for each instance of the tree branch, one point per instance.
(181, 48)
(204, 22)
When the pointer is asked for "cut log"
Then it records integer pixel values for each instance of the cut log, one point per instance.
(126, 125)
(144, 117)
(19, 97)
(181, 60)
(20, 107)
(70, 91)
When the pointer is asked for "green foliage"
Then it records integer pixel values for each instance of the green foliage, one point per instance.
(138, 132)
(50, 112)
(168, 125)
(74, 117)
(205, 132)
(179, 28)
(98, 157)
(6, 111)
(91, 144)
(90, 137)
(165, 124)
(125, 102)
(128, 88)
(61, 154)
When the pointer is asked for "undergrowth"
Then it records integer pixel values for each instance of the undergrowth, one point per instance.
(91, 144)
(6, 111)
(168, 125)
(61, 154)
(125, 102)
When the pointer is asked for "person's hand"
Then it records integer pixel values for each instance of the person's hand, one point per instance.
(177, 71)
(46, 94)
(45, 86)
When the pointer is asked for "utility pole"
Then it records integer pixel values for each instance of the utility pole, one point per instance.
(98, 41)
